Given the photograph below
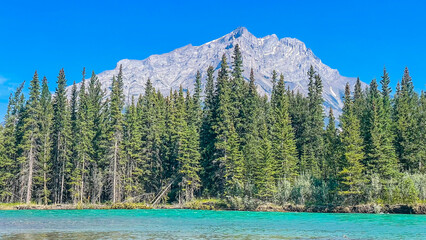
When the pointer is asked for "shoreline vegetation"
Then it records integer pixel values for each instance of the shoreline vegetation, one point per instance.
(252, 152)
(222, 205)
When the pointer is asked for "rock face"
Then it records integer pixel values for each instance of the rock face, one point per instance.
(288, 56)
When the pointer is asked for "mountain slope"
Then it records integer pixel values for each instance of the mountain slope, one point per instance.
(288, 56)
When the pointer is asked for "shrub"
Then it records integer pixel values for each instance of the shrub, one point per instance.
(283, 193)
(302, 189)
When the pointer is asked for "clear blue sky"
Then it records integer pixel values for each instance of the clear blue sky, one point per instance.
(356, 37)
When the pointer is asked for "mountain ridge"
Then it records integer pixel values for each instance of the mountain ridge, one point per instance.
(288, 56)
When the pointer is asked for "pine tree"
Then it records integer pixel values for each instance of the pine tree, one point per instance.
(61, 140)
(266, 166)
(234, 165)
(407, 136)
(298, 111)
(331, 149)
(151, 135)
(283, 142)
(238, 88)
(274, 85)
(98, 109)
(388, 162)
(116, 134)
(8, 164)
(380, 155)
(170, 164)
(351, 176)
(197, 112)
(250, 136)
(359, 100)
(13, 136)
(312, 147)
(73, 114)
(422, 131)
(227, 149)
(45, 163)
(83, 150)
(135, 169)
(207, 134)
(29, 146)
(189, 155)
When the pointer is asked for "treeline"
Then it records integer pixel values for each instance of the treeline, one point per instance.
(225, 142)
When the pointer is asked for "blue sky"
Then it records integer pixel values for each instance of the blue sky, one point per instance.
(356, 37)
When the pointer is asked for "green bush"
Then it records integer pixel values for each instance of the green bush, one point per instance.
(302, 190)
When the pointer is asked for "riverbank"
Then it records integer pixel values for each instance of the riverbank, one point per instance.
(216, 204)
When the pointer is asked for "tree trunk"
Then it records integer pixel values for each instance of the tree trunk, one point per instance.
(114, 175)
(44, 171)
(30, 173)
(82, 182)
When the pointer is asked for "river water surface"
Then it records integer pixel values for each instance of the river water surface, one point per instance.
(191, 224)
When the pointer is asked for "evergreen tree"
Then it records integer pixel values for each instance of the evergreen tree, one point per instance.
(227, 149)
(98, 109)
(134, 164)
(61, 140)
(283, 142)
(44, 159)
(266, 166)
(312, 149)
(422, 131)
(189, 155)
(73, 114)
(83, 135)
(331, 149)
(351, 176)
(151, 138)
(9, 165)
(197, 112)
(250, 135)
(407, 136)
(238, 88)
(388, 163)
(29, 146)
(359, 101)
(380, 155)
(207, 134)
(116, 135)
(298, 112)
(274, 84)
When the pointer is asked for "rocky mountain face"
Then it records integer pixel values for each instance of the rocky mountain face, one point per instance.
(288, 56)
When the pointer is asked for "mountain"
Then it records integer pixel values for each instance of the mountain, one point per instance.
(288, 56)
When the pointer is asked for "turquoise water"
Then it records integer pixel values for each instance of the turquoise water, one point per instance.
(189, 224)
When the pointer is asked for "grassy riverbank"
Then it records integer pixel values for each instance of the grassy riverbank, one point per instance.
(219, 204)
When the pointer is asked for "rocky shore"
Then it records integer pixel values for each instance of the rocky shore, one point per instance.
(366, 208)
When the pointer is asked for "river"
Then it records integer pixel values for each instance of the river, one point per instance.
(192, 224)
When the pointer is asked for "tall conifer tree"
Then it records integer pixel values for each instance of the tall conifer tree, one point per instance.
(29, 146)
(406, 101)
(283, 142)
(351, 176)
(116, 135)
(61, 140)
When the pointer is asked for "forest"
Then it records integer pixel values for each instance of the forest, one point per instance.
(226, 142)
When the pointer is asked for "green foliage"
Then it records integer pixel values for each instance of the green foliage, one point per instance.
(406, 125)
(229, 143)
(61, 141)
(351, 175)
(311, 137)
(283, 142)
